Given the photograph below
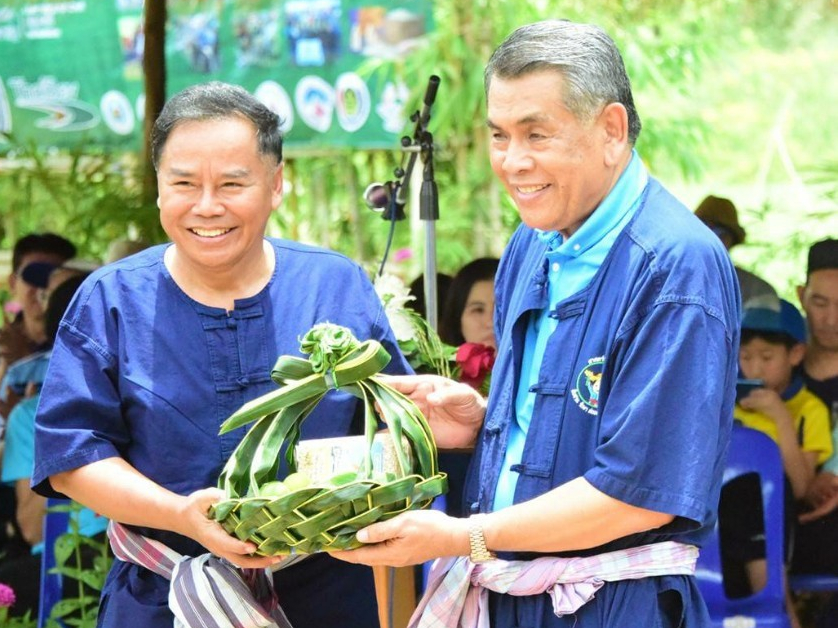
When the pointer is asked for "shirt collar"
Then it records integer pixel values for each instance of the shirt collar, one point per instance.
(794, 387)
(606, 216)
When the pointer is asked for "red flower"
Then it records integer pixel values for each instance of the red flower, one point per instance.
(475, 362)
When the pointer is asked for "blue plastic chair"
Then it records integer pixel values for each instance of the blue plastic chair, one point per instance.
(813, 583)
(55, 524)
(750, 452)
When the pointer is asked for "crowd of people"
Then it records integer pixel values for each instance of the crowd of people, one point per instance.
(43, 279)
(792, 363)
(593, 449)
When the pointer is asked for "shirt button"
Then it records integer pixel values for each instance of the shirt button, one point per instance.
(556, 267)
(576, 247)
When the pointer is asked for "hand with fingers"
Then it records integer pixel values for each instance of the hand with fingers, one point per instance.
(454, 410)
(409, 539)
(196, 525)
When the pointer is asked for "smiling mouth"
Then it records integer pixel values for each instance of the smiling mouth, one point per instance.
(530, 189)
(210, 233)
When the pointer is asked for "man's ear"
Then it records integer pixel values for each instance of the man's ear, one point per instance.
(276, 188)
(801, 292)
(614, 121)
(12, 281)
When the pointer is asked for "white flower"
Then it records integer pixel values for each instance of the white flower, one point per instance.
(395, 295)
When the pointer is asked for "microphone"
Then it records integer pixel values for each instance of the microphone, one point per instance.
(428, 101)
(377, 195)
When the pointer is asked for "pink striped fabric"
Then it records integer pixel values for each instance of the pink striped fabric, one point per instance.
(457, 594)
(206, 591)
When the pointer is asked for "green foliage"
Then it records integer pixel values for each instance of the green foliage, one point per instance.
(85, 562)
(88, 196)
(733, 96)
(26, 621)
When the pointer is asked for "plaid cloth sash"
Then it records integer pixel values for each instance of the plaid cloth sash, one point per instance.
(205, 591)
(457, 595)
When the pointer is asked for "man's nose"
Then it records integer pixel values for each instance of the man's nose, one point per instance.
(208, 203)
(517, 157)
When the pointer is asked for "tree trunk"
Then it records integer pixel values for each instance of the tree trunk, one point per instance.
(154, 71)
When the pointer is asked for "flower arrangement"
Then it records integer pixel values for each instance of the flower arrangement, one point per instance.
(420, 344)
(470, 363)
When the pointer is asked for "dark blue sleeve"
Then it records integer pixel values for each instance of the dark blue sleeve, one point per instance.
(668, 411)
(79, 420)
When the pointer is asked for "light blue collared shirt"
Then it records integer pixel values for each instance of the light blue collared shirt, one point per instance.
(572, 265)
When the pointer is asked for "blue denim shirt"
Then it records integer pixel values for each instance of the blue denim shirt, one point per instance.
(635, 392)
(635, 395)
(571, 265)
(141, 371)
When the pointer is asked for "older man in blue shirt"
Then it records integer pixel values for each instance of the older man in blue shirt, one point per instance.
(597, 470)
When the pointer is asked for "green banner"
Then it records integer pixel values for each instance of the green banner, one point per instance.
(71, 70)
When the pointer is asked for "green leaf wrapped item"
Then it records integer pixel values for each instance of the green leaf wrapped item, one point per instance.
(324, 516)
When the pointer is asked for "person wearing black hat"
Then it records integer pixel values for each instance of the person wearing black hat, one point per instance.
(720, 215)
(816, 549)
(819, 298)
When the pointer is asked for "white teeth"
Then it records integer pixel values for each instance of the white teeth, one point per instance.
(209, 233)
(529, 189)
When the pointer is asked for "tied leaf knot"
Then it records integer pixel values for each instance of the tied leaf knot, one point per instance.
(327, 345)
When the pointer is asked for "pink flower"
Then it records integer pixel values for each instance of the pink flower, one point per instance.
(475, 361)
(402, 255)
(7, 596)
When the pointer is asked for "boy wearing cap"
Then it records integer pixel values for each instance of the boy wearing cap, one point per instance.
(772, 347)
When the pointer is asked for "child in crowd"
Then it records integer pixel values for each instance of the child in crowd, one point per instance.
(771, 350)
(773, 346)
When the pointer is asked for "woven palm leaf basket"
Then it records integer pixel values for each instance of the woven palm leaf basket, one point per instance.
(299, 516)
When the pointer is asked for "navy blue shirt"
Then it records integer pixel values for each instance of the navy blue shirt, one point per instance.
(635, 394)
(142, 371)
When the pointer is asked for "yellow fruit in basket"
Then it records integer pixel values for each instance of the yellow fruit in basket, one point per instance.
(274, 489)
(296, 481)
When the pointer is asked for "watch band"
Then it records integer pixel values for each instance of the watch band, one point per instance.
(478, 552)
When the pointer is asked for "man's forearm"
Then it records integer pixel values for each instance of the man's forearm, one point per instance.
(574, 516)
(114, 489)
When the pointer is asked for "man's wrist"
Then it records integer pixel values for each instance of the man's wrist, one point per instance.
(479, 551)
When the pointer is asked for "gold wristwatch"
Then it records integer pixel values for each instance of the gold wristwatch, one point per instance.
(478, 552)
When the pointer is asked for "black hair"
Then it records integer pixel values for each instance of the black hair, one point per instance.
(771, 337)
(450, 327)
(58, 302)
(217, 101)
(417, 290)
(48, 243)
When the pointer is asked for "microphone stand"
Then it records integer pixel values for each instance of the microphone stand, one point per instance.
(421, 145)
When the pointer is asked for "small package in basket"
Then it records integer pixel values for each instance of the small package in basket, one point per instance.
(335, 486)
(321, 459)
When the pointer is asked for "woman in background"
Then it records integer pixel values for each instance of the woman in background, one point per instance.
(467, 317)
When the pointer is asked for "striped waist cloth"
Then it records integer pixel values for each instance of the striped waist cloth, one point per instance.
(457, 595)
(205, 591)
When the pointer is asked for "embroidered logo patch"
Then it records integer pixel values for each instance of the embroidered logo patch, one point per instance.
(586, 391)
